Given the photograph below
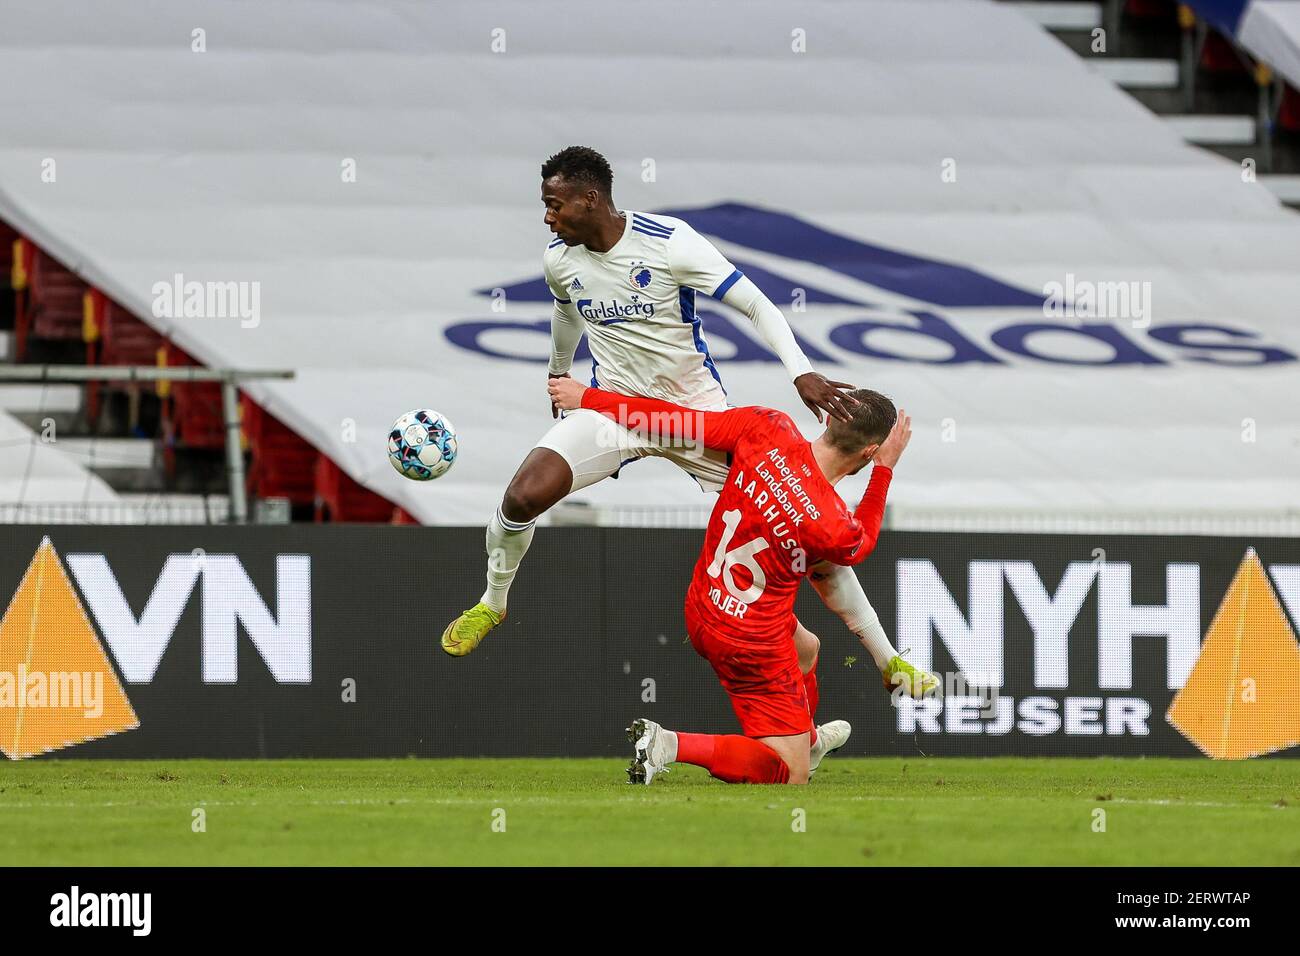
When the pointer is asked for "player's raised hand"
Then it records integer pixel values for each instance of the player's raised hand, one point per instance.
(891, 449)
(820, 395)
(555, 412)
(566, 394)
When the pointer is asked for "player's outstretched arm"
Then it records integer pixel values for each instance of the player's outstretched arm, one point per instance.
(655, 419)
(567, 327)
(818, 393)
(841, 591)
(697, 264)
(566, 333)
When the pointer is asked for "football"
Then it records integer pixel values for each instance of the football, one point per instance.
(422, 445)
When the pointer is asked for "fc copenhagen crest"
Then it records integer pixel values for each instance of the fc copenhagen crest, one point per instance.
(639, 275)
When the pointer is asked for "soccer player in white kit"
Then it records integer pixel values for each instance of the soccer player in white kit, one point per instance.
(629, 280)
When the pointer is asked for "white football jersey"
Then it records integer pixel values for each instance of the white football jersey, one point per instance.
(638, 301)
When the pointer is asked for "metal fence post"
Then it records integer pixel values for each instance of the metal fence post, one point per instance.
(234, 454)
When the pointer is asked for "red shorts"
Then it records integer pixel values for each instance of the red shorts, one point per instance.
(763, 680)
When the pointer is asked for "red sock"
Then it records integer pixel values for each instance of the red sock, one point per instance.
(733, 758)
(696, 749)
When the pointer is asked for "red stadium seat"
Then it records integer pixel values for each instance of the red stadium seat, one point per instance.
(1151, 8)
(281, 464)
(54, 304)
(191, 412)
(8, 237)
(114, 337)
(124, 339)
(1288, 114)
(339, 498)
(1220, 56)
(48, 299)
(20, 268)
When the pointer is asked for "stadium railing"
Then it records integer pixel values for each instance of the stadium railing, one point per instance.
(146, 510)
(227, 379)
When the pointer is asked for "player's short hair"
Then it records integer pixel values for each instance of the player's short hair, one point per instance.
(581, 164)
(872, 420)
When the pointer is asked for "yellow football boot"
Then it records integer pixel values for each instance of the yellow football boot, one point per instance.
(467, 631)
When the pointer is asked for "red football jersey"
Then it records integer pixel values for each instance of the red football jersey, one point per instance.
(776, 517)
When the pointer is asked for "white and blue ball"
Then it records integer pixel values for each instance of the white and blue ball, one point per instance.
(422, 445)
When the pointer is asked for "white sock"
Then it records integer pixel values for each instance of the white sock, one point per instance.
(670, 738)
(507, 541)
(841, 591)
(876, 641)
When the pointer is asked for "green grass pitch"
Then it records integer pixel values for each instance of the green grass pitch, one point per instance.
(885, 811)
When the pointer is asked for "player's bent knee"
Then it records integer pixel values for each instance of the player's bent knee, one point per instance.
(807, 647)
(798, 766)
(793, 770)
(521, 503)
(541, 481)
(809, 656)
(788, 759)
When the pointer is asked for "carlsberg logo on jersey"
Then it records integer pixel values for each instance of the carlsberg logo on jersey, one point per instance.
(605, 311)
(894, 306)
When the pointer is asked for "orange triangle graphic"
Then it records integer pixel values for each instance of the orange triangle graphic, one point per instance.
(1242, 698)
(57, 687)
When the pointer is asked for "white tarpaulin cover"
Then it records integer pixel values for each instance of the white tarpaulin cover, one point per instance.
(1270, 29)
(904, 178)
(32, 470)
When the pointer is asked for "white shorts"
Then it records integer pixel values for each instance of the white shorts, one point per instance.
(596, 447)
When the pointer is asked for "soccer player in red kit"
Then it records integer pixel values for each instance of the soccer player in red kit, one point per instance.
(777, 517)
